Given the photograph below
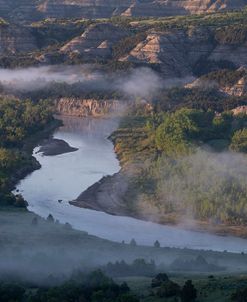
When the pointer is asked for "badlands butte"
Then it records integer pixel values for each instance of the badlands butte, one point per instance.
(31, 10)
(177, 46)
(180, 49)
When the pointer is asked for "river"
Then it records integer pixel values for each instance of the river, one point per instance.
(64, 177)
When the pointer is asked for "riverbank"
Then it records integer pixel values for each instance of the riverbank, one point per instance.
(123, 194)
(27, 149)
(32, 141)
(47, 247)
(108, 195)
(53, 147)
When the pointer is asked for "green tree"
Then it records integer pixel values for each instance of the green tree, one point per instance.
(168, 289)
(133, 242)
(157, 244)
(11, 292)
(239, 141)
(240, 295)
(173, 135)
(188, 292)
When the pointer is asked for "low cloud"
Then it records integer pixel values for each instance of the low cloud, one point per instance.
(140, 82)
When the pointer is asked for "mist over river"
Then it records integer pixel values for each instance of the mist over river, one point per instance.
(64, 177)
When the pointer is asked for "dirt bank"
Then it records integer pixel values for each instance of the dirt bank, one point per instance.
(112, 195)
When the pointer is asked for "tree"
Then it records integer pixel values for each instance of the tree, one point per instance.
(133, 242)
(11, 292)
(173, 135)
(128, 298)
(239, 141)
(159, 279)
(168, 289)
(239, 296)
(188, 292)
(20, 201)
(35, 221)
(68, 226)
(50, 218)
(157, 244)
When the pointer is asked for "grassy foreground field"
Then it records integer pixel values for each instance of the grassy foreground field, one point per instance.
(27, 238)
(34, 251)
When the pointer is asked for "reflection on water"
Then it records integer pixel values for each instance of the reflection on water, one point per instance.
(65, 176)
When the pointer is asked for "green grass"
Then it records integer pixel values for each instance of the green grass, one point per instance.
(211, 20)
(3, 22)
(216, 289)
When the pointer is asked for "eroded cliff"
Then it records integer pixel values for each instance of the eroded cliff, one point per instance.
(88, 107)
(23, 10)
(16, 39)
(96, 42)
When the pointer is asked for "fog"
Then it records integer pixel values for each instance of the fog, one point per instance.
(35, 78)
(140, 82)
(211, 183)
(47, 252)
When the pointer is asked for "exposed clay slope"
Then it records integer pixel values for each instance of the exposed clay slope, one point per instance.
(233, 53)
(237, 88)
(87, 107)
(171, 7)
(240, 110)
(96, 41)
(160, 49)
(16, 39)
(176, 51)
(23, 10)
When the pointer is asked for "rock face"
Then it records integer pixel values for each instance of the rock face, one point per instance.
(228, 53)
(19, 10)
(16, 39)
(23, 10)
(240, 110)
(175, 51)
(82, 8)
(96, 41)
(87, 107)
(183, 7)
(178, 51)
(160, 49)
(239, 89)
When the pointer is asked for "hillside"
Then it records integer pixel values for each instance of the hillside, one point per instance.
(25, 10)
(175, 46)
